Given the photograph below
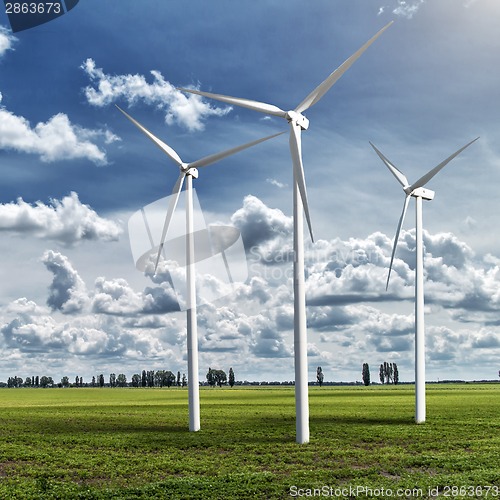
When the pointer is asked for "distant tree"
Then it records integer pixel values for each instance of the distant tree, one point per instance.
(65, 382)
(14, 382)
(319, 375)
(136, 380)
(27, 382)
(144, 379)
(366, 374)
(389, 373)
(159, 378)
(221, 377)
(93, 381)
(77, 381)
(33, 381)
(37, 381)
(231, 377)
(101, 380)
(395, 374)
(81, 381)
(150, 375)
(178, 379)
(46, 382)
(216, 377)
(184, 380)
(211, 377)
(112, 380)
(168, 378)
(121, 380)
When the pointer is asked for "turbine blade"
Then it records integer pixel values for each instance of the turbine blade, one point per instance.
(170, 212)
(325, 86)
(429, 175)
(164, 147)
(262, 107)
(298, 170)
(394, 170)
(396, 238)
(208, 160)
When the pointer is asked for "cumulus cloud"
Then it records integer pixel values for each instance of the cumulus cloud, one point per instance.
(90, 336)
(7, 40)
(67, 292)
(54, 140)
(66, 221)
(351, 318)
(188, 111)
(261, 226)
(116, 297)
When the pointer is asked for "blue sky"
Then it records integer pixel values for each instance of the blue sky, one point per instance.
(75, 170)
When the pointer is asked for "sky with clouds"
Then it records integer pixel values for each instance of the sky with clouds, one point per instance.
(75, 170)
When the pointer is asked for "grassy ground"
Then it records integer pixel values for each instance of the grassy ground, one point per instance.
(134, 443)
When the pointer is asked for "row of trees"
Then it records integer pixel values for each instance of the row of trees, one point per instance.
(159, 378)
(147, 378)
(30, 382)
(388, 373)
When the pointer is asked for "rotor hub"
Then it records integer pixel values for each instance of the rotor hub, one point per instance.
(298, 118)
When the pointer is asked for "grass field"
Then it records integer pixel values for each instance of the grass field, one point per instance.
(134, 443)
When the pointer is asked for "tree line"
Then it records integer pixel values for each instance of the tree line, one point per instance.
(388, 374)
(147, 378)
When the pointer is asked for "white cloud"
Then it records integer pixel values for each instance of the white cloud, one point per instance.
(260, 225)
(54, 140)
(188, 111)
(6, 40)
(276, 183)
(407, 8)
(116, 297)
(67, 221)
(67, 292)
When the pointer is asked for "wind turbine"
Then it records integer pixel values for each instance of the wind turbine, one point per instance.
(188, 171)
(419, 192)
(298, 122)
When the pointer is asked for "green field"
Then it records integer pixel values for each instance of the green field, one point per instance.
(134, 443)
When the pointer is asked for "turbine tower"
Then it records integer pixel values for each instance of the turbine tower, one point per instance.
(188, 171)
(298, 122)
(419, 192)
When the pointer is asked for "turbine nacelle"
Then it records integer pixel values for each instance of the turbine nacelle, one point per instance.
(425, 194)
(298, 118)
(187, 170)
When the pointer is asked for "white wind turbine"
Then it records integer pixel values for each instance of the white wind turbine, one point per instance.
(188, 171)
(417, 191)
(298, 122)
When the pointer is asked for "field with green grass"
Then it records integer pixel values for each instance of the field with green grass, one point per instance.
(134, 443)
